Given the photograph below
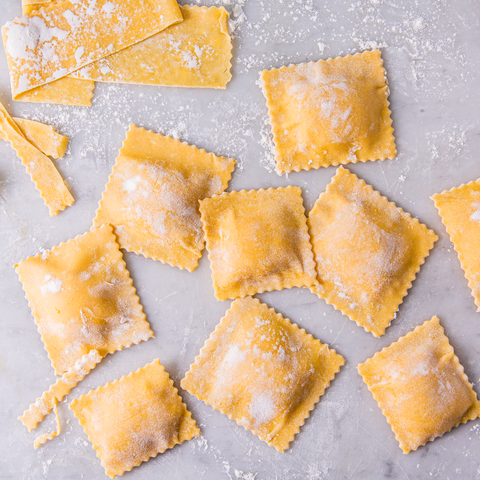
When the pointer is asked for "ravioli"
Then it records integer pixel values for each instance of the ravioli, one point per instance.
(82, 298)
(153, 192)
(420, 386)
(460, 212)
(329, 112)
(262, 371)
(257, 241)
(367, 251)
(134, 418)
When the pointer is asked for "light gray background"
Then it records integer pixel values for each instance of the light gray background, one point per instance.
(431, 53)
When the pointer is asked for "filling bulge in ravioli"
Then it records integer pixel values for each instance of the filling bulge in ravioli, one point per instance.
(420, 385)
(257, 241)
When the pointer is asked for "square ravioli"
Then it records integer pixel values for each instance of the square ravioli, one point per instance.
(329, 112)
(134, 418)
(152, 196)
(420, 386)
(262, 371)
(82, 298)
(460, 212)
(367, 251)
(257, 241)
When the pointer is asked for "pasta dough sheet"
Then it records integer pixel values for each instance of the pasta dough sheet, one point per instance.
(65, 91)
(65, 36)
(193, 53)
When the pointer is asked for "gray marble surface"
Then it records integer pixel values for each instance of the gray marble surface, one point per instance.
(431, 50)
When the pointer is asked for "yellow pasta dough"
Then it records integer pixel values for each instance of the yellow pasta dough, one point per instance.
(153, 192)
(49, 399)
(329, 112)
(193, 53)
(82, 298)
(65, 36)
(262, 371)
(40, 168)
(257, 241)
(134, 418)
(460, 212)
(420, 386)
(41, 136)
(50, 436)
(28, 6)
(64, 91)
(367, 251)
(44, 404)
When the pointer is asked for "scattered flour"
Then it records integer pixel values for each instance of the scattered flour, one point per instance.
(51, 285)
(427, 66)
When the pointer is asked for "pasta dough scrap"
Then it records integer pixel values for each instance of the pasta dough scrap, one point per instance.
(193, 53)
(41, 136)
(134, 418)
(65, 36)
(420, 386)
(40, 168)
(257, 241)
(64, 91)
(44, 404)
(329, 112)
(460, 212)
(262, 371)
(152, 196)
(367, 250)
(50, 436)
(82, 298)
